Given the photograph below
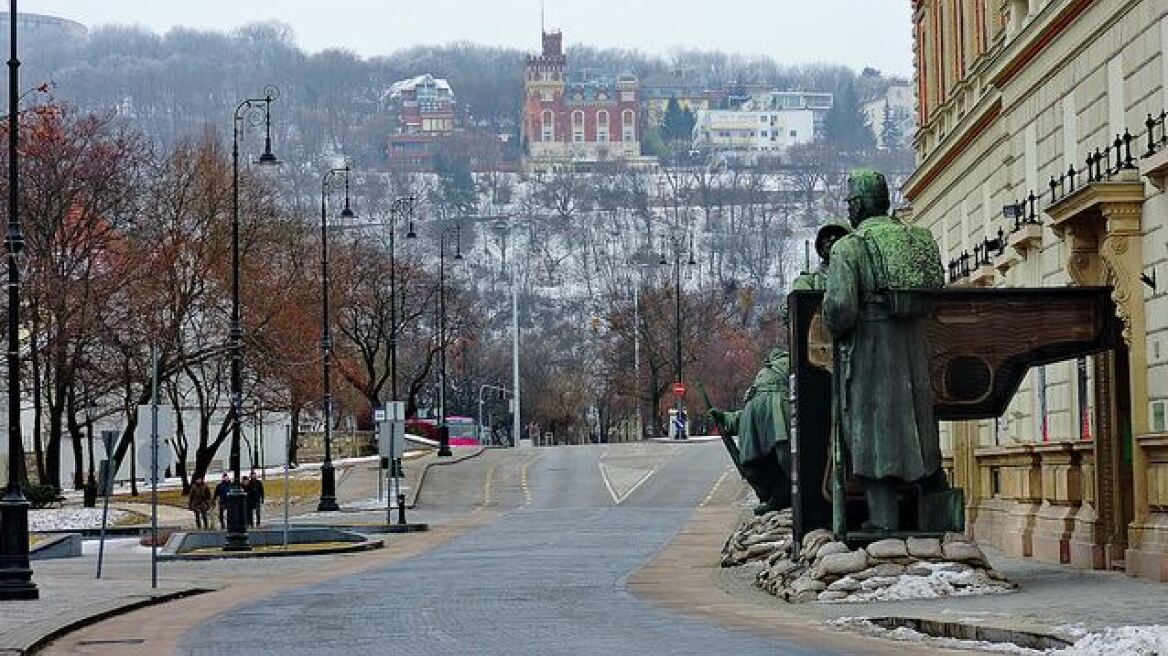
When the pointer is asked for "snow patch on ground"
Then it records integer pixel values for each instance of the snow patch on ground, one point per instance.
(1126, 640)
(942, 582)
(114, 546)
(49, 519)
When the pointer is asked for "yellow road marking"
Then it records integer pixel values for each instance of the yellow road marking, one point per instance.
(714, 489)
(523, 481)
(487, 484)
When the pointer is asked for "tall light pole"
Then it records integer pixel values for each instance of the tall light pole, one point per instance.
(677, 367)
(443, 427)
(328, 475)
(515, 411)
(401, 205)
(236, 538)
(15, 570)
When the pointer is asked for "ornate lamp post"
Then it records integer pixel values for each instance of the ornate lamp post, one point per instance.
(328, 477)
(15, 570)
(236, 539)
(443, 427)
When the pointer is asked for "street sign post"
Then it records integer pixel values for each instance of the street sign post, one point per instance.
(109, 440)
(391, 444)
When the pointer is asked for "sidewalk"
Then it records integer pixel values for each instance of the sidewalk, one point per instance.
(71, 598)
(1052, 600)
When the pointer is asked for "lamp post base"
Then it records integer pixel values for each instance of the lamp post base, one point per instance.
(444, 441)
(15, 571)
(236, 538)
(328, 489)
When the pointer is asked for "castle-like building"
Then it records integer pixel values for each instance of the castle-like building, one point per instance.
(580, 119)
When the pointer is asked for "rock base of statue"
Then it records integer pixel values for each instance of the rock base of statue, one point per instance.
(886, 570)
(755, 539)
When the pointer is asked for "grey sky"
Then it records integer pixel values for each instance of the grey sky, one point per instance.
(853, 32)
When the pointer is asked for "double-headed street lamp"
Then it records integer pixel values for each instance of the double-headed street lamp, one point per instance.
(236, 539)
(443, 427)
(678, 251)
(328, 476)
(15, 569)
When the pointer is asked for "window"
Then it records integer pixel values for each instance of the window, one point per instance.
(548, 125)
(794, 134)
(602, 126)
(764, 133)
(546, 96)
(762, 119)
(628, 125)
(546, 76)
(578, 126)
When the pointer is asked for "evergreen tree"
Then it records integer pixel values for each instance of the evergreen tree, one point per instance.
(846, 126)
(891, 133)
(677, 125)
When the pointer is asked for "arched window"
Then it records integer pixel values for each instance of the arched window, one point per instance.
(602, 126)
(628, 125)
(548, 126)
(578, 126)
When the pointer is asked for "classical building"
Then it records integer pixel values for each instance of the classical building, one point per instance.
(577, 118)
(1042, 162)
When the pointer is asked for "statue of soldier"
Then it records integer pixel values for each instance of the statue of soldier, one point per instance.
(883, 398)
(829, 233)
(763, 430)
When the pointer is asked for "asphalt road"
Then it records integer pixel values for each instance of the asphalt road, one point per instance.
(547, 577)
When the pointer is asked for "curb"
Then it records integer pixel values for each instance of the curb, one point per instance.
(413, 500)
(35, 637)
(356, 547)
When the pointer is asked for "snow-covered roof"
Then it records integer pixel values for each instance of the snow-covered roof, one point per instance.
(439, 84)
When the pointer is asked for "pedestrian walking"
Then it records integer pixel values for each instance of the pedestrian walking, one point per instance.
(221, 490)
(199, 502)
(255, 499)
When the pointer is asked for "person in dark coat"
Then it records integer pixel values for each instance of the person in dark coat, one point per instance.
(255, 499)
(221, 490)
(199, 502)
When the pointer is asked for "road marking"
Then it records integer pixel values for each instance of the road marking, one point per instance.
(523, 481)
(714, 490)
(487, 484)
(633, 488)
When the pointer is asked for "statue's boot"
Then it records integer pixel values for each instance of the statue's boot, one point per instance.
(883, 506)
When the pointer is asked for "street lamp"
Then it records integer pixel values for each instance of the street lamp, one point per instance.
(678, 251)
(328, 475)
(236, 538)
(401, 205)
(15, 569)
(443, 428)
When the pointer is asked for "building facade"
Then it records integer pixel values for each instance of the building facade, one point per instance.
(427, 115)
(752, 133)
(580, 119)
(1042, 162)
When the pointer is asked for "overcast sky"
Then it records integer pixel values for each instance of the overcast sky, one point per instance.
(857, 33)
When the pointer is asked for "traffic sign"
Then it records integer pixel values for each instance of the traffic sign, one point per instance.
(165, 460)
(679, 389)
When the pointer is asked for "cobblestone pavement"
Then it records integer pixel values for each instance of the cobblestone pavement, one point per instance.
(549, 576)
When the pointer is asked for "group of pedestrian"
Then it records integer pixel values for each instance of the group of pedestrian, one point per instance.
(202, 499)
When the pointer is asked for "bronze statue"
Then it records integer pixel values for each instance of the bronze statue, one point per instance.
(882, 394)
(763, 454)
(828, 234)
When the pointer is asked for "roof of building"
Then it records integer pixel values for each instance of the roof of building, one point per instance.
(424, 80)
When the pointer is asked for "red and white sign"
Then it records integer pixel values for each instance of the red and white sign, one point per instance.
(679, 389)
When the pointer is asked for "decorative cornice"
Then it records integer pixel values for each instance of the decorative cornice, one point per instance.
(1016, 63)
(928, 171)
